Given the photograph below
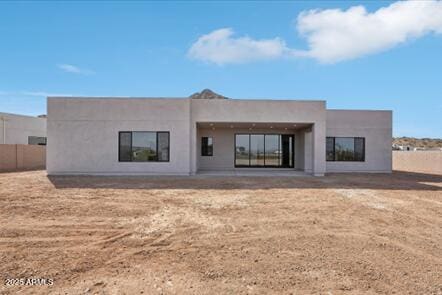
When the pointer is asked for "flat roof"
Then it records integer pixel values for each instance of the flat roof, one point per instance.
(185, 98)
(360, 110)
(20, 115)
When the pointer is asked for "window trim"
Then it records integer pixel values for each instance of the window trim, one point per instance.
(354, 145)
(156, 148)
(202, 150)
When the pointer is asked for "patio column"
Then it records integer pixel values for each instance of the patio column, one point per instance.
(318, 145)
(193, 149)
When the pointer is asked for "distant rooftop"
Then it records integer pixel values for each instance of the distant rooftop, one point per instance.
(3, 114)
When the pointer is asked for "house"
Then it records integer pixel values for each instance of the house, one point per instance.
(20, 129)
(207, 132)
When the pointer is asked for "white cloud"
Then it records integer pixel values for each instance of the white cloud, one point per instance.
(332, 35)
(32, 93)
(42, 93)
(220, 47)
(335, 35)
(74, 69)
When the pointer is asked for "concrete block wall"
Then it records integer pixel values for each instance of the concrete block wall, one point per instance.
(16, 157)
(418, 161)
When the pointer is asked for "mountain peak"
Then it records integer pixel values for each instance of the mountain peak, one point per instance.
(207, 94)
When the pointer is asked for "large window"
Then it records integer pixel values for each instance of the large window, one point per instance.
(345, 149)
(143, 146)
(37, 140)
(206, 146)
(264, 150)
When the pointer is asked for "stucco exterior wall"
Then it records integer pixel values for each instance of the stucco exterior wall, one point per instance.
(19, 127)
(375, 127)
(255, 110)
(308, 151)
(83, 134)
(299, 150)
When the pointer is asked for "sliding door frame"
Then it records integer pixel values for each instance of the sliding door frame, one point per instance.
(291, 164)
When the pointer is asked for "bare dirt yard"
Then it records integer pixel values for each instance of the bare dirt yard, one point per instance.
(340, 234)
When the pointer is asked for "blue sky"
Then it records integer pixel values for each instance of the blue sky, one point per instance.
(344, 55)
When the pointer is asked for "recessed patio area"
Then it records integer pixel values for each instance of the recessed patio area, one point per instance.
(245, 148)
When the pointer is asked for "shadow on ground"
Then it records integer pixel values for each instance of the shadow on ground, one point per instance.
(395, 181)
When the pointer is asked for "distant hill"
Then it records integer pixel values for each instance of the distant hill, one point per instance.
(427, 143)
(207, 94)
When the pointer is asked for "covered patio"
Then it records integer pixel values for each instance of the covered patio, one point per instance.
(252, 148)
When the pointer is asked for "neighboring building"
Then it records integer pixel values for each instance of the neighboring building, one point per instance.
(397, 147)
(20, 129)
(187, 135)
(409, 148)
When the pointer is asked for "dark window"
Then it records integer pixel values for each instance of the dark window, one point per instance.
(345, 149)
(125, 150)
(143, 146)
(206, 146)
(287, 150)
(359, 149)
(163, 146)
(330, 146)
(36, 140)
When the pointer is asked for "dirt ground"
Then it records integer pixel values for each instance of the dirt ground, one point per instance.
(340, 234)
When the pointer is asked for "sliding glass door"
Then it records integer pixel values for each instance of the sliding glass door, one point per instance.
(242, 155)
(272, 150)
(257, 150)
(286, 150)
(264, 150)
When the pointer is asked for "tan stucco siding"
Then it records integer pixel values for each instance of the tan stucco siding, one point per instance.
(258, 111)
(83, 134)
(375, 127)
